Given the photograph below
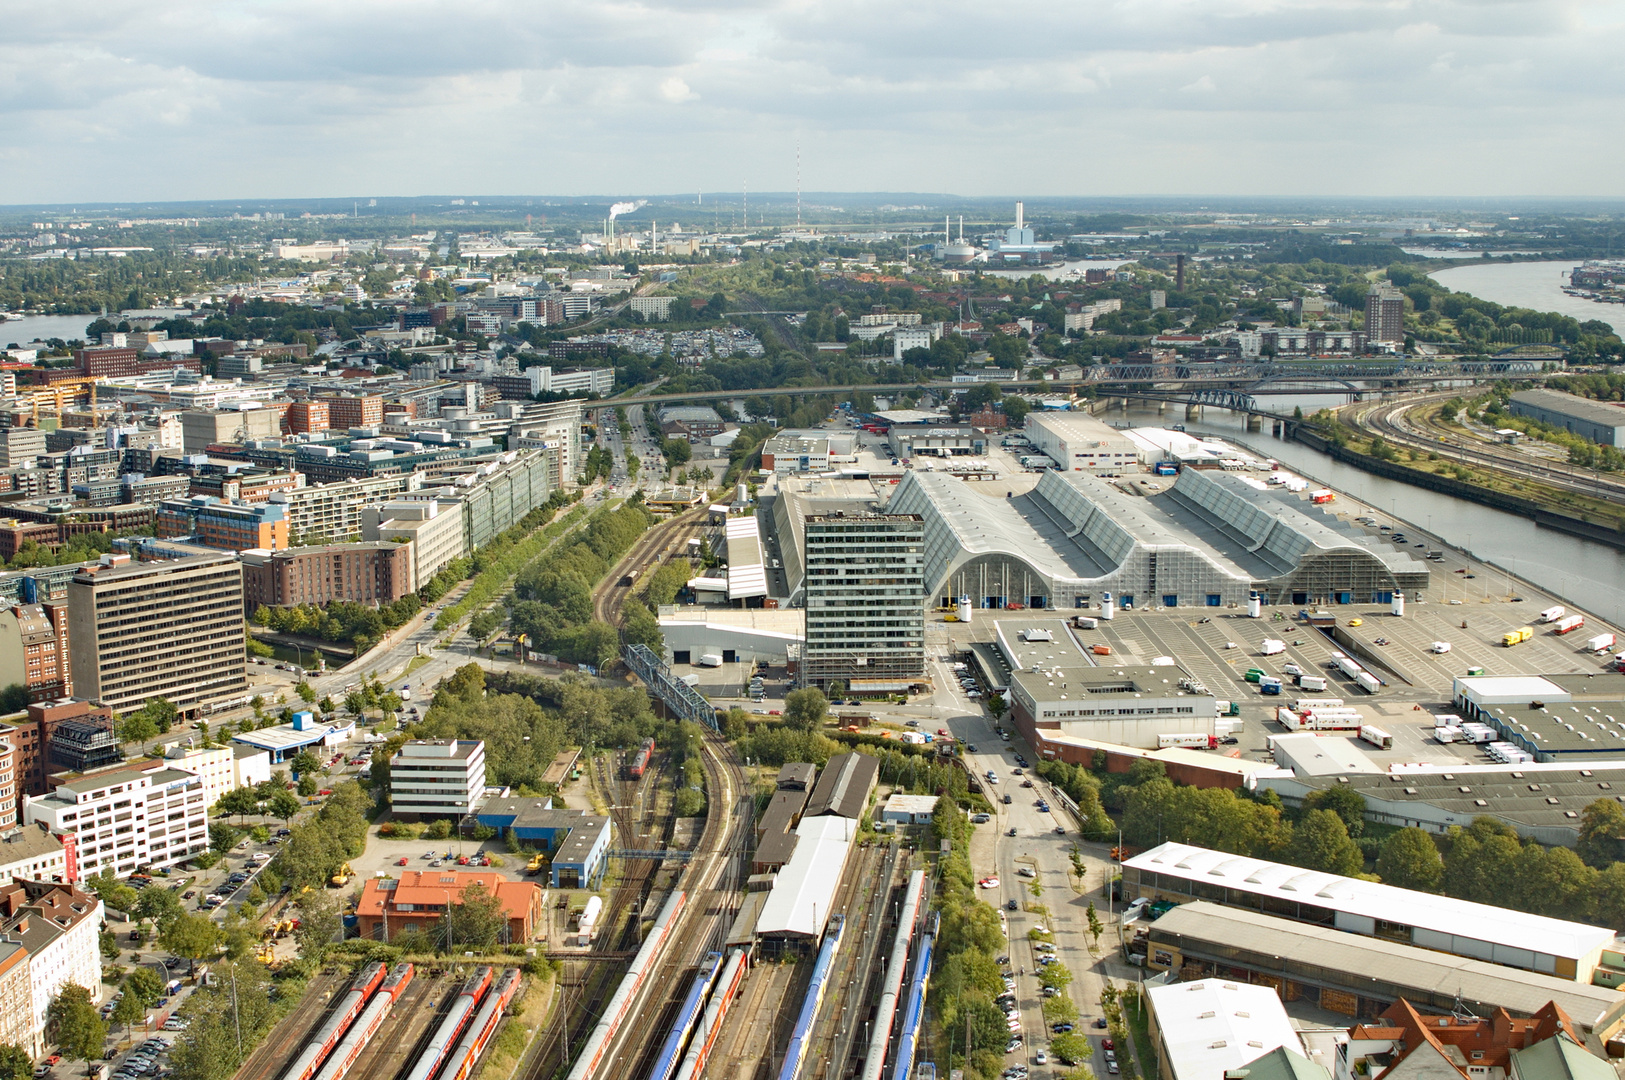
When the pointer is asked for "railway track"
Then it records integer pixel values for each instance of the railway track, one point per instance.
(829, 1052)
(268, 1059)
(1392, 421)
(398, 1042)
(657, 542)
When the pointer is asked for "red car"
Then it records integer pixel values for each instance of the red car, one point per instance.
(403, 861)
(325, 791)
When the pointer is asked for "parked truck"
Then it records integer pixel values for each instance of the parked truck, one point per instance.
(1086, 622)
(1271, 647)
(1441, 647)
(1552, 614)
(1317, 703)
(1194, 740)
(1368, 682)
(709, 659)
(1517, 637)
(1349, 666)
(1271, 685)
(1312, 682)
(1377, 737)
(1568, 624)
(1600, 643)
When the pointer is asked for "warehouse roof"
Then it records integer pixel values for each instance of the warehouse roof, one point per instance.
(803, 895)
(1212, 1025)
(1527, 794)
(1563, 727)
(1404, 907)
(1360, 958)
(844, 786)
(747, 575)
(797, 774)
(1310, 754)
(1580, 408)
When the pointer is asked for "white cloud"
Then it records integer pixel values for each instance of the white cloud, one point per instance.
(106, 99)
(676, 90)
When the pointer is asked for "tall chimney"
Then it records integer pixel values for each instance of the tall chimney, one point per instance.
(1018, 215)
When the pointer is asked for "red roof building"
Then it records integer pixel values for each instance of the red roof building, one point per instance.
(1405, 1043)
(419, 899)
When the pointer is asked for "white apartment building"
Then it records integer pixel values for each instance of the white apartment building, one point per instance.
(437, 777)
(127, 817)
(221, 768)
(434, 528)
(59, 926)
(335, 511)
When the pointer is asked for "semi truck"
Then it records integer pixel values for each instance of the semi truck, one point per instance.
(1317, 703)
(1568, 624)
(1324, 495)
(1517, 637)
(1552, 614)
(1194, 740)
(1348, 666)
(1368, 682)
(1600, 643)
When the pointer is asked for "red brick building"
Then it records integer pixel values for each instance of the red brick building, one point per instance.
(355, 410)
(31, 740)
(418, 901)
(116, 362)
(304, 417)
(374, 572)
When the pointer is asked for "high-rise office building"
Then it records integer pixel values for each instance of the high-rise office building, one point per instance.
(169, 628)
(1384, 314)
(865, 599)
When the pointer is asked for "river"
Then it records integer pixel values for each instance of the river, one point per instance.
(1537, 285)
(1589, 576)
(43, 327)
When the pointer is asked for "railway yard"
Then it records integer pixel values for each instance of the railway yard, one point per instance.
(679, 984)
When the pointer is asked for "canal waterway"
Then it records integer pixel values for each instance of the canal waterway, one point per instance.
(1589, 576)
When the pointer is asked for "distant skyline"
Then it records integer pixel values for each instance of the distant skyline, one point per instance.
(114, 101)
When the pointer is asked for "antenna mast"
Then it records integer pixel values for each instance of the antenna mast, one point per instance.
(798, 185)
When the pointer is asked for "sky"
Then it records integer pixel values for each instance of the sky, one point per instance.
(103, 100)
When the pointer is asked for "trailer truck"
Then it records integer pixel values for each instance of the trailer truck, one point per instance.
(1368, 682)
(1552, 614)
(1600, 643)
(1192, 740)
(1517, 637)
(1568, 624)
(1377, 737)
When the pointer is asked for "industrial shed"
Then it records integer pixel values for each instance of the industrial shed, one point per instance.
(1208, 541)
(1557, 947)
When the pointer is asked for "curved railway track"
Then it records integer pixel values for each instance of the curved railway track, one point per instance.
(1390, 420)
(657, 543)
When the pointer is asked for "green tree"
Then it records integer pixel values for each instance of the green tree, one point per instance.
(806, 709)
(1320, 842)
(1071, 1049)
(305, 762)
(1602, 833)
(15, 1063)
(145, 984)
(72, 1022)
(307, 785)
(1344, 802)
(997, 706)
(306, 692)
(194, 937)
(162, 713)
(476, 920)
(1095, 927)
(223, 837)
(128, 1011)
(318, 923)
(1480, 861)
(284, 804)
(137, 727)
(113, 892)
(240, 801)
(158, 905)
(1410, 860)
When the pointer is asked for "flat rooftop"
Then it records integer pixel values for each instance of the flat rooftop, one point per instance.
(1312, 754)
(1441, 915)
(1364, 959)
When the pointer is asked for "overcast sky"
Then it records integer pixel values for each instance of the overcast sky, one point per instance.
(106, 100)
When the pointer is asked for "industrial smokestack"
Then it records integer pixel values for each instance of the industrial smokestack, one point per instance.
(1018, 215)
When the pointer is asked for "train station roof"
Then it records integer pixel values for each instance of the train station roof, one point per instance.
(803, 894)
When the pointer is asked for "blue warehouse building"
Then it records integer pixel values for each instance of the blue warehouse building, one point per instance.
(577, 841)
